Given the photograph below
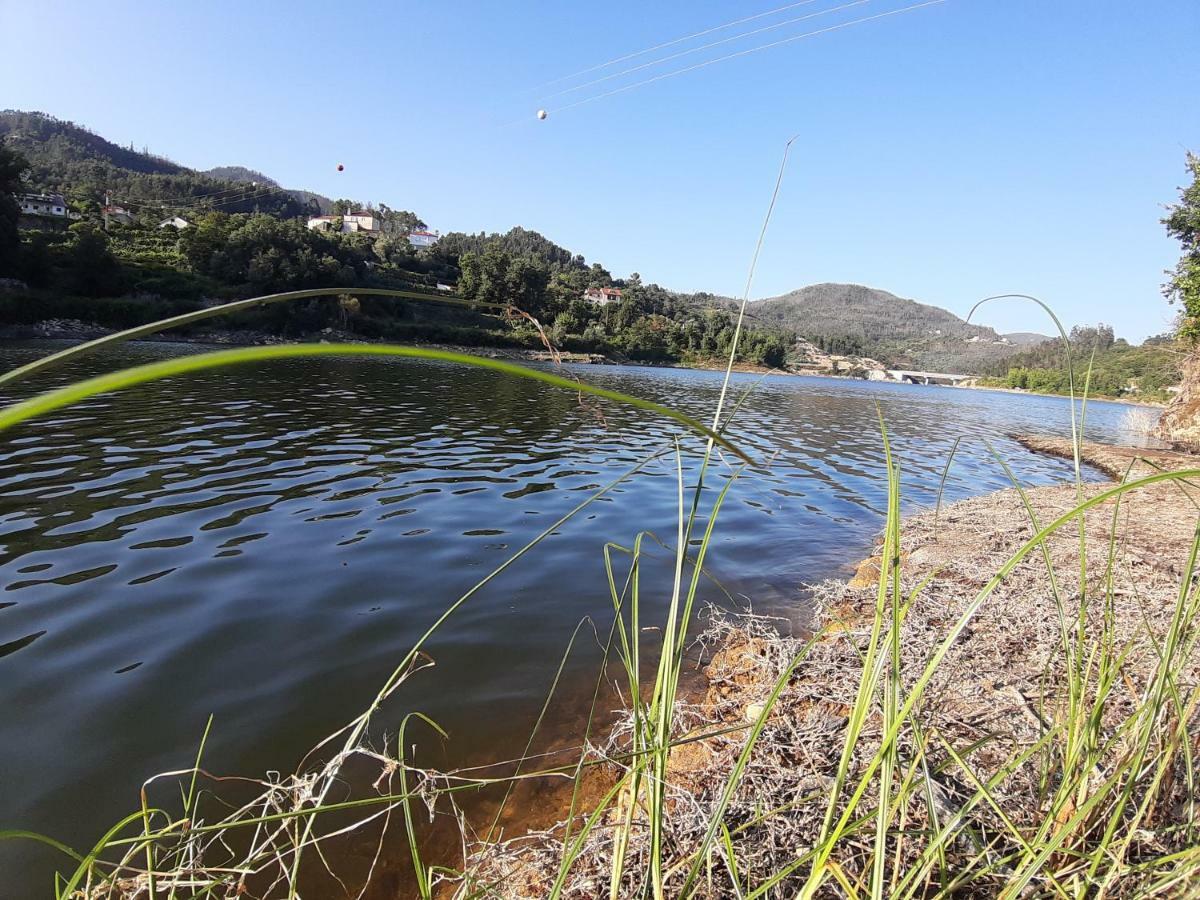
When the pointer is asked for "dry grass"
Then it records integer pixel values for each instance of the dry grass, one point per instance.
(992, 698)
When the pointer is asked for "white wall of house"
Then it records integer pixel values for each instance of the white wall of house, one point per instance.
(423, 238)
(42, 205)
(361, 221)
(602, 296)
(351, 223)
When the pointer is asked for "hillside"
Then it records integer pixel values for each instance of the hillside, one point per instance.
(1118, 368)
(240, 173)
(69, 159)
(245, 235)
(1026, 338)
(249, 236)
(862, 321)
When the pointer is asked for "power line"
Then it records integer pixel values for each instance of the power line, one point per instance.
(747, 52)
(671, 43)
(205, 200)
(708, 46)
(242, 188)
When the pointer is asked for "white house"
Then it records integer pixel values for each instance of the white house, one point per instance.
(352, 223)
(602, 296)
(43, 205)
(421, 239)
(178, 222)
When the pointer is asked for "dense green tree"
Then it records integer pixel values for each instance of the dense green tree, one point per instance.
(94, 270)
(1118, 369)
(1183, 224)
(12, 166)
(248, 236)
(399, 221)
(1086, 338)
(85, 167)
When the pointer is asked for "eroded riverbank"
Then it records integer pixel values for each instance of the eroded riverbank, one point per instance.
(1001, 693)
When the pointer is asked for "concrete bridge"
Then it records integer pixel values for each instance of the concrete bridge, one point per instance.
(911, 376)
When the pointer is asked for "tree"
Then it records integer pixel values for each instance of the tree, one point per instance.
(1183, 224)
(495, 277)
(95, 272)
(399, 221)
(1086, 338)
(12, 167)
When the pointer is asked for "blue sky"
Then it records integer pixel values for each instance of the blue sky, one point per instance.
(968, 148)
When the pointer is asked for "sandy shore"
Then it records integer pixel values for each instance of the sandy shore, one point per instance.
(1002, 677)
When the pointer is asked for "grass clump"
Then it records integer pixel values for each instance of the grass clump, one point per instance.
(1010, 711)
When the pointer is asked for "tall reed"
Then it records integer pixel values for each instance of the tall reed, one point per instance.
(1110, 755)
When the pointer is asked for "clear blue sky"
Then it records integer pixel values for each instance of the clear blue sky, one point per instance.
(973, 147)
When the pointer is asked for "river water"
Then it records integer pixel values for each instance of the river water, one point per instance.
(264, 543)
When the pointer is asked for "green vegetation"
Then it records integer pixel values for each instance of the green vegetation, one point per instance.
(84, 167)
(855, 320)
(1183, 224)
(1118, 369)
(1110, 757)
(249, 236)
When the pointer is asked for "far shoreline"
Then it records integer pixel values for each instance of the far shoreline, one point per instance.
(78, 331)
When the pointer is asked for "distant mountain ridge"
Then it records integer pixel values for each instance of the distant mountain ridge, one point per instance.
(857, 320)
(1027, 338)
(240, 173)
(69, 159)
(846, 319)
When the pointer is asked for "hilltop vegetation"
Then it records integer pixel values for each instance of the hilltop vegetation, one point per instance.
(860, 321)
(84, 167)
(1118, 369)
(136, 271)
(247, 235)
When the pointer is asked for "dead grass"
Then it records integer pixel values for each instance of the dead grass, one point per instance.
(992, 698)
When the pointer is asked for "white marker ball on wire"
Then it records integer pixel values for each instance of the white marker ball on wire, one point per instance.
(542, 114)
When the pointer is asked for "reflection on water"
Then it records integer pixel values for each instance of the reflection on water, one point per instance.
(265, 543)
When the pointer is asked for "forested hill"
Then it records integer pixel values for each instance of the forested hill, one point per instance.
(246, 235)
(862, 321)
(1117, 368)
(69, 159)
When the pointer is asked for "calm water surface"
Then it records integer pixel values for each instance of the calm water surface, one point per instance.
(265, 543)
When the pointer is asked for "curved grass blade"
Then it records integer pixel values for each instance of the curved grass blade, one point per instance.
(419, 870)
(937, 509)
(1076, 433)
(18, 834)
(212, 312)
(126, 378)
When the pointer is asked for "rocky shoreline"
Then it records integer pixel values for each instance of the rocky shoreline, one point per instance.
(1002, 677)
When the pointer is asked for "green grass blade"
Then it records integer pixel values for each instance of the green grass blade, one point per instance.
(89, 347)
(127, 378)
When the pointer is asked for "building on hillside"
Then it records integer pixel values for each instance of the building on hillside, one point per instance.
(352, 223)
(602, 296)
(178, 222)
(42, 205)
(44, 210)
(118, 214)
(422, 239)
(445, 287)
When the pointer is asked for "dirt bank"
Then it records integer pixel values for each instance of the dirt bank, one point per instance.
(998, 691)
